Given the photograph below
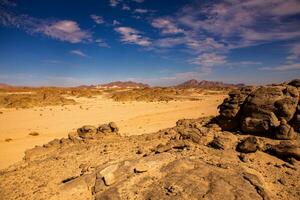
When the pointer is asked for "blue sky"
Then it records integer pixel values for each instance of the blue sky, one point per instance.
(159, 42)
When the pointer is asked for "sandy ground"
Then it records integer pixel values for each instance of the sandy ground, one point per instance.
(57, 121)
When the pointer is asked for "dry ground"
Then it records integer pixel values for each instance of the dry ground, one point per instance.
(132, 117)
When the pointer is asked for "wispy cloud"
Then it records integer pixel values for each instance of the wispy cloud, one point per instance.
(132, 36)
(116, 22)
(141, 11)
(78, 53)
(243, 22)
(166, 26)
(101, 43)
(113, 3)
(208, 60)
(294, 52)
(282, 68)
(169, 42)
(210, 30)
(63, 30)
(97, 19)
(125, 7)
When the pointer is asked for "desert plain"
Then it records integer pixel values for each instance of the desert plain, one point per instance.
(56, 121)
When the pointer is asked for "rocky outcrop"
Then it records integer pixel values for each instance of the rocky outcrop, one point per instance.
(193, 160)
(271, 111)
(88, 131)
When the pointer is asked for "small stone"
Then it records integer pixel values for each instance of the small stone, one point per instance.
(73, 136)
(113, 126)
(87, 131)
(140, 168)
(139, 151)
(248, 145)
(243, 158)
(282, 181)
(217, 143)
(104, 128)
(214, 126)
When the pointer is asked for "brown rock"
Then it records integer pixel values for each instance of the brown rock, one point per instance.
(108, 174)
(87, 131)
(285, 151)
(285, 131)
(248, 145)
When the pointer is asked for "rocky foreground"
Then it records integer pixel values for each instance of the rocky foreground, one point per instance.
(196, 159)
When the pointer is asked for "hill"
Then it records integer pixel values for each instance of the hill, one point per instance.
(207, 84)
(123, 84)
(3, 85)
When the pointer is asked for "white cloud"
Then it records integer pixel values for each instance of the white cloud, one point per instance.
(65, 30)
(243, 22)
(101, 43)
(166, 26)
(169, 42)
(207, 61)
(282, 68)
(113, 3)
(78, 53)
(125, 7)
(116, 22)
(132, 36)
(141, 11)
(294, 52)
(97, 19)
(250, 63)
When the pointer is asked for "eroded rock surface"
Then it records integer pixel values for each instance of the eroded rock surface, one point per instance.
(193, 160)
(271, 111)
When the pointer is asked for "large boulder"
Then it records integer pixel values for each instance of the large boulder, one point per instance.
(260, 111)
(230, 108)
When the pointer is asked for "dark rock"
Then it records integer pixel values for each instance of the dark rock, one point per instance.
(113, 126)
(104, 128)
(217, 143)
(87, 131)
(248, 145)
(285, 151)
(243, 158)
(295, 83)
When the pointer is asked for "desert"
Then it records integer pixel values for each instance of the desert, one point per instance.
(150, 100)
(20, 116)
(241, 145)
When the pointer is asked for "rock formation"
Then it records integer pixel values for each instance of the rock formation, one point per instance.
(193, 160)
(271, 111)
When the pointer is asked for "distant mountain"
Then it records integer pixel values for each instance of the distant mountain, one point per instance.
(123, 84)
(207, 84)
(3, 85)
